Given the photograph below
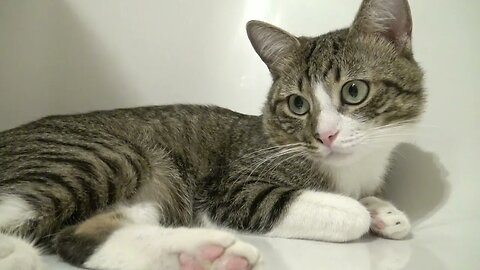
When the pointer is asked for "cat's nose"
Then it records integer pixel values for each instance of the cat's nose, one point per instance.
(327, 137)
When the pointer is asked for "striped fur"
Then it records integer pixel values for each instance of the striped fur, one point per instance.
(76, 176)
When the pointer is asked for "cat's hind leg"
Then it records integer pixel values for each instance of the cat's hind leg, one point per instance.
(19, 254)
(16, 252)
(130, 238)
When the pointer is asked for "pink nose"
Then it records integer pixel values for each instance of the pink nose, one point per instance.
(327, 137)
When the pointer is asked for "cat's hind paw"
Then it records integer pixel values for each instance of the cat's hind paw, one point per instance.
(237, 256)
(18, 254)
(387, 220)
(151, 247)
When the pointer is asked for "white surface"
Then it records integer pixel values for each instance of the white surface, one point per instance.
(73, 56)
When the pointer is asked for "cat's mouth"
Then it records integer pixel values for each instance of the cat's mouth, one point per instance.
(336, 156)
(330, 154)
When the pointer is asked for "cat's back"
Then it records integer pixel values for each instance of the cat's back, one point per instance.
(113, 144)
(166, 115)
(130, 129)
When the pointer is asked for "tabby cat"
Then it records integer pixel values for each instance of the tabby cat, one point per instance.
(131, 188)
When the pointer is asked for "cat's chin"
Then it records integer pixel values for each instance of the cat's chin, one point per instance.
(338, 159)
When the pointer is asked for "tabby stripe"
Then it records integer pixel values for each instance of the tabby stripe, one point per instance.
(310, 53)
(85, 168)
(240, 186)
(337, 74)
(81, 165)
(392, 84)
(32, 199)
(225, 201)
(89, 170)
(76, 145)
(327, 70)
(279, 206)
(113, 166)
(300, 84)
(237, 189)
(56, 202)
(46, 178)
(258, 200)
(335, 47)
(74, 133)
(137, 171)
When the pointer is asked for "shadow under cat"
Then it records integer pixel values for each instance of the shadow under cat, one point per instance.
(416, 182)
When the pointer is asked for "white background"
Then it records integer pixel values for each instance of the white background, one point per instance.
(77, 56)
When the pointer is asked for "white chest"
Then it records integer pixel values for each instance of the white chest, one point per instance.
(363, 177)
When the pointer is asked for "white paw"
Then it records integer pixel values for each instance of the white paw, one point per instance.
(174, 248)
(204, 249)
(387, 220)
(17, 254)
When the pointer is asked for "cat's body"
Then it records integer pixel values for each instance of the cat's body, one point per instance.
(126, 189)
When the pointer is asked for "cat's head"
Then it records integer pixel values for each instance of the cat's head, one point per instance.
(346, 93)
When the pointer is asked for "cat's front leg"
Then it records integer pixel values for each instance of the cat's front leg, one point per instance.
(323, 216)
(387, 220)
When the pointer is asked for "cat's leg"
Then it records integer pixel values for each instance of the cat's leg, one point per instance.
(19, 254)
(286, 212)
(130, 238)
(387, 220)
(16, 252)
(323, 216)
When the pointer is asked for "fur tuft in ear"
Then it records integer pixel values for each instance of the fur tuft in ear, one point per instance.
(389, 18)
(271, 43)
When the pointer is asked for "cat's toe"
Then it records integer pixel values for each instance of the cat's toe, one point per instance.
(386, 220)
(390, 222)
(16, 253)
(216, 250)
(202, 259)
(239, 256)
(192, 241)
(189, 262)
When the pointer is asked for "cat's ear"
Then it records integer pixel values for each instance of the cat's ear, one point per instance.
(271, 43)
(390, 19)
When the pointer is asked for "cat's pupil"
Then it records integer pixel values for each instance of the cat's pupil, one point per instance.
(298, 102)
(353, 91)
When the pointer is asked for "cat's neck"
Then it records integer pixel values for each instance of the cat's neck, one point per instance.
(363, 177)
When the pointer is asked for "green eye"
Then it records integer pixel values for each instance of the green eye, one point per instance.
(298, 105)
(355, 92)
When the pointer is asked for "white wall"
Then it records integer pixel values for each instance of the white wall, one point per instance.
(75, 56)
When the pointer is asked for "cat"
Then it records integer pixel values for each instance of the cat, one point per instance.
(160, 187)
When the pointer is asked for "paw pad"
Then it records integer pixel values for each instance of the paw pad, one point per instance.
(235, 256)
(387, 221)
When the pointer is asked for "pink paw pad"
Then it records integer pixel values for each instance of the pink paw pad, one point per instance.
(237, 263)
(378, 224)
(188, 262)
(203, 259)
(212, 252)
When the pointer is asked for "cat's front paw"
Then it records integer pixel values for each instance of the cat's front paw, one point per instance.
(387, 220)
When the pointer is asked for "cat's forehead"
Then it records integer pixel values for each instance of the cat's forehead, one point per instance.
(338, 53)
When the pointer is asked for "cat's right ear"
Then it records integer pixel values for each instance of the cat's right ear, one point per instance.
(271, 43)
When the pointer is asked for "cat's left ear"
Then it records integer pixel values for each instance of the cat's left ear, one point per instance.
(390, 19)
(271, 43)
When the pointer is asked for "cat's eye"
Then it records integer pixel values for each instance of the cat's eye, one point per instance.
(298, 105)
(355, 92)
